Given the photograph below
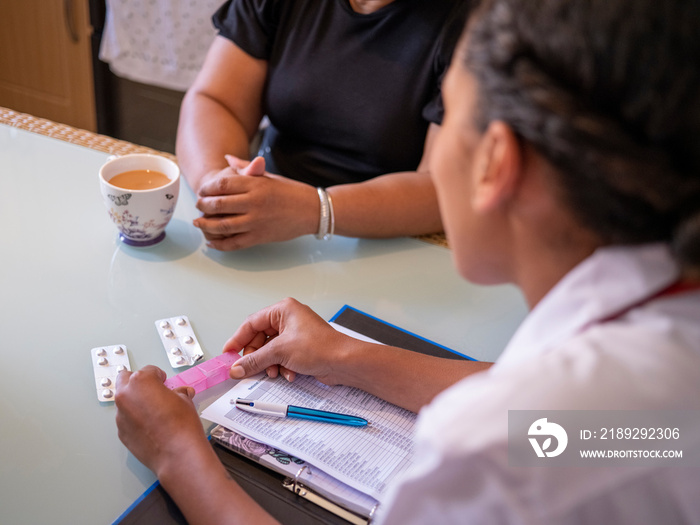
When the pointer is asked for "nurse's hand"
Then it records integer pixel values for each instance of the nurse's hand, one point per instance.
(244, 205)
(289, 335)
(156, 424)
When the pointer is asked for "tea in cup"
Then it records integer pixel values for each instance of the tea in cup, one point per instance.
(140, 192)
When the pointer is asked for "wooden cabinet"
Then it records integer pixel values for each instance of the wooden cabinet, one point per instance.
(46, 61)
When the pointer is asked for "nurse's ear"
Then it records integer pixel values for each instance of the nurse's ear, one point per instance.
(498, 166)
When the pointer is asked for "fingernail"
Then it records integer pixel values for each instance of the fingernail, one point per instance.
(286, 375)
(237, 372)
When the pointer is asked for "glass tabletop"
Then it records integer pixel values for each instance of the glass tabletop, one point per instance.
(69, 285)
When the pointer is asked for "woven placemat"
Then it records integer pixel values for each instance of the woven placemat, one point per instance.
(435, 238)
(109, 145)
(73, 135)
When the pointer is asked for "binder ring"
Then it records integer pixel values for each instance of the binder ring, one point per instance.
(371, 513)
(297, 485)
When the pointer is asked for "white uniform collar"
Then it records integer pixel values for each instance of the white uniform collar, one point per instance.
(603, 284)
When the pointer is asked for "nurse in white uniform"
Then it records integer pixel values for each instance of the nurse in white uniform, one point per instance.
(569, 164)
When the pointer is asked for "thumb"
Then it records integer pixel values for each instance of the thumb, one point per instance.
(235, 163)
(256, 168)
(186, 391)
(254, 362)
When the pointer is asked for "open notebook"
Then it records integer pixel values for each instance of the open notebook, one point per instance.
(351, 466)
(303, 471)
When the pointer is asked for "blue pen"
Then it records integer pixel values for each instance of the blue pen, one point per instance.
(276, 410)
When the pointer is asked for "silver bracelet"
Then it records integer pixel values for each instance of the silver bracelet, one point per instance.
(326, 225)
(331, 229)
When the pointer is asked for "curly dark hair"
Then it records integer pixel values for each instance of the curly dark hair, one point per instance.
(609, 92)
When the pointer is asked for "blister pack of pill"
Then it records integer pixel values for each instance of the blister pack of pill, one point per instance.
(107, 362)
(179, 341)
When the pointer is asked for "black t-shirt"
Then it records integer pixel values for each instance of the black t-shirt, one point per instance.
(349, 96)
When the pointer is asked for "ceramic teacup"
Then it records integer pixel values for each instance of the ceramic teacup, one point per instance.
(142, 198)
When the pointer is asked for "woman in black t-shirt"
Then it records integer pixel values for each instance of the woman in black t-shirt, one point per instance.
(352, 92)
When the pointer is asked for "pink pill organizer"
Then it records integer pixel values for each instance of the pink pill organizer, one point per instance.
(205, 375)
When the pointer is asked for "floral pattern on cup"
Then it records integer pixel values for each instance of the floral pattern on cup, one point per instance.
(132, 228)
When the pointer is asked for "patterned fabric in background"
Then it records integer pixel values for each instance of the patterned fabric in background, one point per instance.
(158, 42)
